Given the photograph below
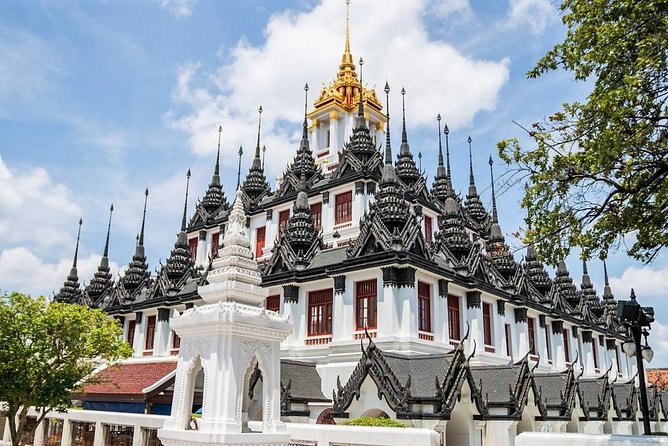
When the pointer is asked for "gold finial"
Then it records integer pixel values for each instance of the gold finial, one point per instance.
(347, 59)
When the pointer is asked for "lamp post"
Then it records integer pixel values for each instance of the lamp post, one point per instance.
(637, 320)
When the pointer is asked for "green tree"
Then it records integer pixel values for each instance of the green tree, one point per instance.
(597, 171)
(46, 351)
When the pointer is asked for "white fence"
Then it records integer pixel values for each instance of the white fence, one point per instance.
(556, 439)
(99, 428)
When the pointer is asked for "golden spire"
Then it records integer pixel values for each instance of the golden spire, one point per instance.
(347, 59)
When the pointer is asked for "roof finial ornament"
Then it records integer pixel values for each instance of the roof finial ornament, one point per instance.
(185, 203)
(241, 152)
(420, 160)
(404, 136)
(446, 131)
(216, 170)
(140, 242)
(264, 152)
(106, 243)
(388, 146)
(76, 249)
(305, 125)
(440, 146)
(360, 108)
(259, 127)
(347, 56)
(471, 178)
(495, 216)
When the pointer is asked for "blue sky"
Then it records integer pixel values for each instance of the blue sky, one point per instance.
(99, 99)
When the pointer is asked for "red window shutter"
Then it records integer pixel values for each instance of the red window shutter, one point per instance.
(192, 248)
(150, 333)
(214, 244)
(176, 341)
(316, 214)
(131, 332)
(274, 302)
(532, 335)
(283, 218)
(424, 307)
(366, 301)
(427, 228)
(567, 346)
(343, 209)
(548, 341)
(487, 323)
(320, 312)
(259, 240)
(453, 317)
(509, 340)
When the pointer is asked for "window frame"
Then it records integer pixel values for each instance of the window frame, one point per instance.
(343, 210)
(508, 332)
(487, 326)
(428, 228)
(594, 350)
(424, 307)
(531, 334)
(192, 248)
(454, 322)
(324, 307)
(132, 329)
(316, 210)
(283, 217)
(149, 334)
(272, 300)
(215, 242)
(260, 247)
(548, 341)
(565, 335)
(366, 305)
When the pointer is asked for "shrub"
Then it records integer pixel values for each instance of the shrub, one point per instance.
(373, 422)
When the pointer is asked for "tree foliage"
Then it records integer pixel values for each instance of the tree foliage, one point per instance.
(597, 171)
(46, 351)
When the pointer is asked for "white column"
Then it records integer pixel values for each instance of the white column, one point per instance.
(474, 318)
(333, 132)
(587, 352)
(558, 345)
(7, 434)
(140, 334)
(66, 439)
(522, 330)
(161, 345)
(390, 309)
(500, 433)
(137, 435)
(202, 255)
(408, 307)
(38, 439)
(592, 427)
(98, 439)
(338, 309)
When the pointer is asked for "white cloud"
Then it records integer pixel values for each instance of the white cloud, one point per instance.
(35, 209)
(178, 8)
(24, 271)
(445, 8)
(28, 62)
(646, 281)
(306, 47)
(535, 14)
(658, 340)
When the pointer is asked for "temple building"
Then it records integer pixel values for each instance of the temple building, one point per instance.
(405, 299)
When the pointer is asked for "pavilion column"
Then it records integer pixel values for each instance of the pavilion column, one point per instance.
(474, 318)
(39, 433)
(559, 352)
(98, 439)
(340, 324)
(202, 257)
(138, 341)
(587, 352)
(333, 131)
(522, 327)
(160, 345)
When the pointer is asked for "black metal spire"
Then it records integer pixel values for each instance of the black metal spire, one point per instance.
(216, 170)
(179, 260)
(406, 169)
(388, 144)
(495, 216)
(71, 292)
(185, 203)
(143, 220)
(215, 197)
(102, 278)
(404, 135)
(442, 187)
(607, 291)
(446, 131)
(76, 249)
(305, 124)
(361, 122)
(264, 153)
(471, 178)
(256, 160)
(241, 152)
(441, 168)
(137, 269)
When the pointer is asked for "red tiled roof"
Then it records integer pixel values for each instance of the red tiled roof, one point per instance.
(129, 378)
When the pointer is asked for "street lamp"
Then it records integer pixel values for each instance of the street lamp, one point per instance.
(637, 320)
